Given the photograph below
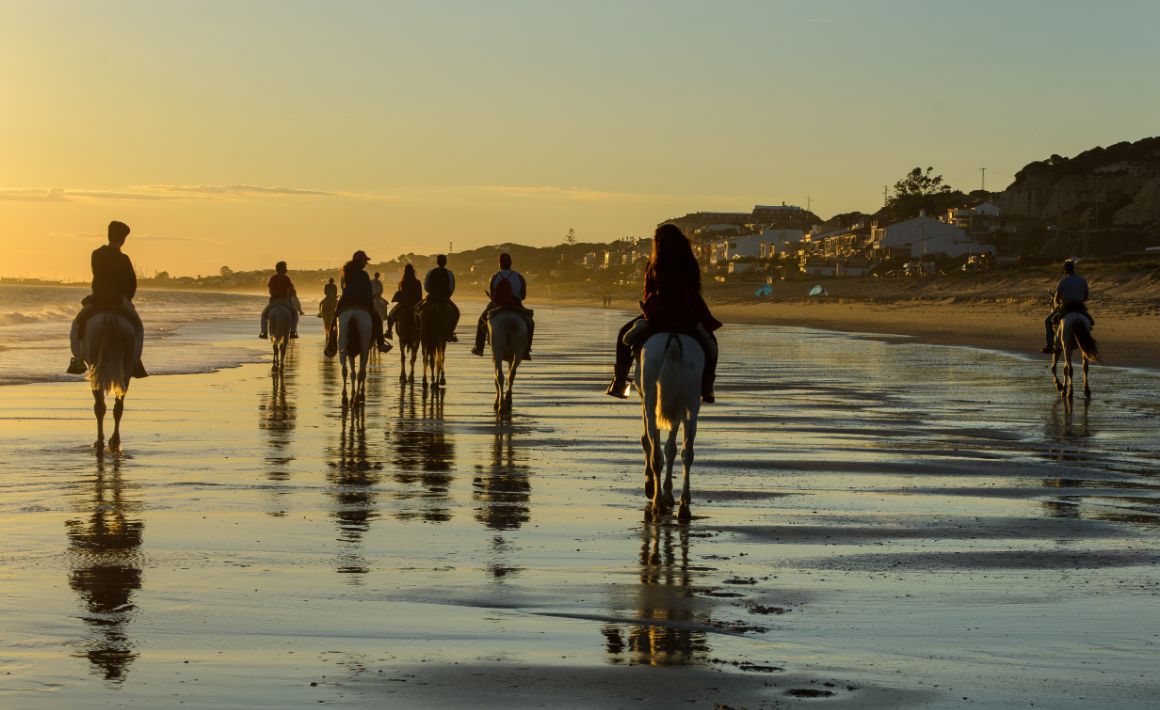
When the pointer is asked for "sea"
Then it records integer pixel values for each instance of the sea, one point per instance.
(185, 332)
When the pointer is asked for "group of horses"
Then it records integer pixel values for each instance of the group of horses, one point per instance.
(668, 374)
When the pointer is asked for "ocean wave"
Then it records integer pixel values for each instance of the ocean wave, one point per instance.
(47, 314)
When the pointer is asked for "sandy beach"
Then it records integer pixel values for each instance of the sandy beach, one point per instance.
(879, 522)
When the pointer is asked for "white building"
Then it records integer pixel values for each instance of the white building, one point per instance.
(777, 241)
(925, 235)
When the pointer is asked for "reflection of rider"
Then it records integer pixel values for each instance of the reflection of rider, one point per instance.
(671, 301)
(507, 289)
(282, 294)
(439, 283)
(357, 293)
(114, 285)
(408, 295)
(1069, 296)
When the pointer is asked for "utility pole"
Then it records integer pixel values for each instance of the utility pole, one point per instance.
(983, 179)
(883, 195)
(450, 247)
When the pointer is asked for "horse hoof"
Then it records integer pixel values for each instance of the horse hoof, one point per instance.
(684, 515)
(99, 446)
(649, 488)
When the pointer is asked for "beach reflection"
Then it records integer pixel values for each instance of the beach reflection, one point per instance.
(669, 616)
(277, 416)
(354, 475)
(501, 491)
(424, 457)
(106, 571)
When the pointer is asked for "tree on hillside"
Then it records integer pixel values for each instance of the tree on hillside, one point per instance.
(919, 191)
(570, 238)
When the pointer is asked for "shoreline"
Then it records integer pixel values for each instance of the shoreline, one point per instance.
(1128, 336)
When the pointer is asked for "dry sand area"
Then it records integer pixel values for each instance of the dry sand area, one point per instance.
(878, 522)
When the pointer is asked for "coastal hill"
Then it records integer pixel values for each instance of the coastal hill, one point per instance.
(1117, 186)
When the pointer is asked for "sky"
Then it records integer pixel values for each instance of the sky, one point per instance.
(241, 133)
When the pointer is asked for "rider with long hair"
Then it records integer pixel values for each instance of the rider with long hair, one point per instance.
(671, 301)
(357, 293)
(408, 295)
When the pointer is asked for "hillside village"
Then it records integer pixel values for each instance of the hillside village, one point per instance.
(1102, 203)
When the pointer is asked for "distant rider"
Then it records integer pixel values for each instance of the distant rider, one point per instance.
(1070, 296)
(671, 301)
(357, 293)
(439, 283)
(282, 294)
(114, 285)
(408, 295)
(507, 289)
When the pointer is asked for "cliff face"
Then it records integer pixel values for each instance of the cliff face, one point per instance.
(1114, 186)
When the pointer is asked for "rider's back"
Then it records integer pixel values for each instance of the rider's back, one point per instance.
(113, 276)
(1072, 289)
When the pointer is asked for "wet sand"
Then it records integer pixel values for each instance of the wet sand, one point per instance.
(877, 524)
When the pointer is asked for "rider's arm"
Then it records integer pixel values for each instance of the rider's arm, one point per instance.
(451, 283)
(523, 288)
(427, 281)
(130, 279)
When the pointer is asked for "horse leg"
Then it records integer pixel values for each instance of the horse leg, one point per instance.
(1067, 373)
(414, 354)
(1055, 372)
(343, 358)
(118, 410)
(362, 378)
(440, 361)
(670, 458)
(99, 412)
(511, 382)
(498, 384)
(1087, 390)
(402, 361)
(687, 463)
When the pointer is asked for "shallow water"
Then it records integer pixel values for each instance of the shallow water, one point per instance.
(877, 523)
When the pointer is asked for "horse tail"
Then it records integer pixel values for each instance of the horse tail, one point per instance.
(1087, 344)
(113, 367)
(672, 392)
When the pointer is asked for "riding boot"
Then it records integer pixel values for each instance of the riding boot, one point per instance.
(332, 340)
(480, 334)
(139, 371)
(531, 332)
(619, 385)
(709, 376)
(76, 366)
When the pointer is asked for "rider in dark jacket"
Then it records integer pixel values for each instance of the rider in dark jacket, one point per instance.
(671, 301)
(439, 283)
(408, 295)
(357, 293)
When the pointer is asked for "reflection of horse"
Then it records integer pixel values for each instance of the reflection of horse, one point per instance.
(669, 629)
(507, 331)
(107, 571)
(1073, 333)
(407, 326)
(424, 458)
(668, 377)
(109, 347)
(504, 490)
(277, 417)
(279, 321)
(354, 341)
(434, 318)
(354, 477)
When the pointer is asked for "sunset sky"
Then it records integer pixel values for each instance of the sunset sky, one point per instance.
(240, 133)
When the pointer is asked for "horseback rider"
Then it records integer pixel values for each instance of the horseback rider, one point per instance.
(329, 296)
(114, 285)
(672, 301)
(357, 293)
(408, 295)
(439, 283)
(1069, 296)
(507, 289)
(282, 294)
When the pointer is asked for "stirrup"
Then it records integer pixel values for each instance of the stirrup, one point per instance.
(477, 351)
(76, 366)
(617, 389)
(262, 335)
(139, 371)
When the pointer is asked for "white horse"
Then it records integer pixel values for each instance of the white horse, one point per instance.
(110, 350)
(507, 332)
(354, 341)
(668, 378)
(1073, 333)
(279, 319)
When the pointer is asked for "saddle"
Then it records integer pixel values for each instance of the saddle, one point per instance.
(1074, 308)
(527, 313)
(97, 306)
(642, 330)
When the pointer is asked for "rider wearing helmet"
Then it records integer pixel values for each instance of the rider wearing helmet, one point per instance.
(357, 293)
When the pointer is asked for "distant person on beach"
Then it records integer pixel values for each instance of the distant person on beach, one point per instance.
(406, 297)
(439, 283)
(1070, 296)
(507, 289)
(114, 285)
(357, 293)
(282, 293)
(671, 301)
